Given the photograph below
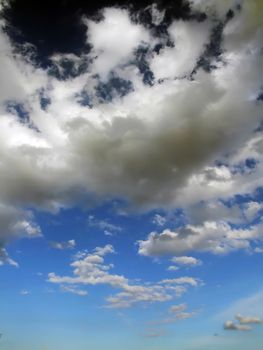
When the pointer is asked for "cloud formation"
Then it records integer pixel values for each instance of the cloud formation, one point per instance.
(103, 132)
(90, 269)
(215, 237)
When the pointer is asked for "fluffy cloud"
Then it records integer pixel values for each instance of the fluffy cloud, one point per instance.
(114, 40)
(244, 323)
(230, 325)
(182, 280)
(186, 261)
(214, 237)
(248, 319)
(90, 269)
(189, 39)
(169, 144)
(177, 313)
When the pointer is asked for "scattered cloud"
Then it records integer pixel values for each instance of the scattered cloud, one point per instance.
(248, 319)
(24, 292)
(182, 280)
(90, 269)
(70, 244)
(214, 237)
(73, 290)
(231, 326)
(5, 259)
(245, 323)
(159, 220)
(147, 144)
(177, 313)
(108, 228)
(184, 261)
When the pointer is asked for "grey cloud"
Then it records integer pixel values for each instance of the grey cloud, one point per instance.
(155, 147)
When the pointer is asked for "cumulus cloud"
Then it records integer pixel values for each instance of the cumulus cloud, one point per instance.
(182, 280)
(105, 37)
(189, 39)
(177, 313)
(214, 237)
(185, 261)
(248, 319)
(90, 269)
(230, 325)
(244, 323)
(182, 139)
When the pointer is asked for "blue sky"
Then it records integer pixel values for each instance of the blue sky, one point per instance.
(131, 194)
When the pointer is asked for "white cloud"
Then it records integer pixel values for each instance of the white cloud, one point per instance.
(182, 280)
(5, 259)
(248, 319)
(177, 313)
(108, 228)
(156, 147)
(214, 237)
(252, 210)
(73, 290)
(186, 261)
(230, 325)
(90, 269)
(177, 308)
(63, 245)
(244, 324)
(159, 220)
(114, 39)
(189, 40)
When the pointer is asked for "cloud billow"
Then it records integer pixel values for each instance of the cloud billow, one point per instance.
(154, 145)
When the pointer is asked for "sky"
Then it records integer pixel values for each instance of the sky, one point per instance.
(131, 193)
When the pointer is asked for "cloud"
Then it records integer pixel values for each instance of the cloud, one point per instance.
(248, 319)
(5, 259)
(25, 292)
(229, 325)
(214, 237)
(177, 313)
(73, 290)
(182, 280)
(244, 324)
(185, 261)
(106, 35)
(90, 269)
(189, 39)
(63, 245)
(177, 308)
(108, 228)
(159, 220)
(182, 139)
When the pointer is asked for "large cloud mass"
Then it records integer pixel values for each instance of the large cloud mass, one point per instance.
(184, 137)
